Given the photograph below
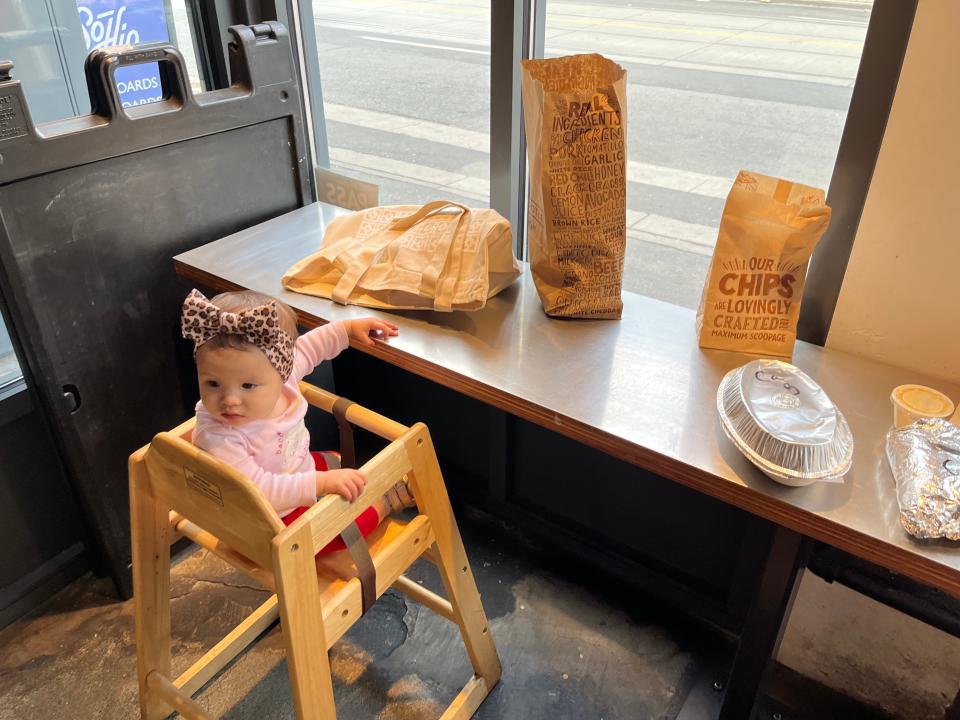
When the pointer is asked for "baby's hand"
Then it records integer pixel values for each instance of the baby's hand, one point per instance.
(346, 483)
(361, 329)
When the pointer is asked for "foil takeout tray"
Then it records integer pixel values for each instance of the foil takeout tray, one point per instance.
(925, 459)
(784, 423)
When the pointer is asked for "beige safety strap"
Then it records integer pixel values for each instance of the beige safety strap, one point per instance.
(351, 536)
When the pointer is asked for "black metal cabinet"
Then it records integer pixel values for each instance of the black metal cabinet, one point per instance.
(94, 208)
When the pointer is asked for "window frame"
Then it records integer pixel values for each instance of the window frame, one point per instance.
(884, 48)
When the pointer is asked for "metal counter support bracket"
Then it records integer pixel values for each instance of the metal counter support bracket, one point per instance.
(766, 620)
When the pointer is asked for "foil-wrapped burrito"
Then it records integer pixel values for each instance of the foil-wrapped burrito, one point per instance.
(925, 459)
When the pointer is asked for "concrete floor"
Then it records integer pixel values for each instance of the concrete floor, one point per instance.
(571, 648)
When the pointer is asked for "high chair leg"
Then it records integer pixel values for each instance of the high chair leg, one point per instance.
(301, 621)
(150, 530)
(455, 571)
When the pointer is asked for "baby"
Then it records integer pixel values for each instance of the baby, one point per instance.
(250, 415)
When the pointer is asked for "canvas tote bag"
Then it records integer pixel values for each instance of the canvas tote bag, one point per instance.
(575, 118)
(768, 231)
(441, 256)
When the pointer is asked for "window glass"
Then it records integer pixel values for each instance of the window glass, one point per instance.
(48, 41)
(713, 88)
(406, 90)
(9, 369)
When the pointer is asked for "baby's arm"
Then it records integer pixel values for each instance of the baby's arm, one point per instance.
(317, 345)
(328, 341)
(282, 490)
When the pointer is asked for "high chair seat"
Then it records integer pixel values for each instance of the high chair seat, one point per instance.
(177, 489)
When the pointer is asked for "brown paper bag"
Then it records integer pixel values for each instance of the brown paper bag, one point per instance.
(575, 117)
(441, 256)
(751, 300)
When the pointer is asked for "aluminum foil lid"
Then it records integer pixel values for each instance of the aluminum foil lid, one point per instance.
(784, 423)
(787, 404)
(925, 460)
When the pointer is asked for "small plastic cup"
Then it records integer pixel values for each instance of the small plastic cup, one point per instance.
(912, 402)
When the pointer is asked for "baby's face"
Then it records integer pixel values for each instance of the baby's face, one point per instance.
(238, 386)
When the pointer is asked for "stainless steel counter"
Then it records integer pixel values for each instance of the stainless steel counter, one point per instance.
(639, 389)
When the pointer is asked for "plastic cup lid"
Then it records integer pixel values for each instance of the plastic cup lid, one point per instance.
(922, 400)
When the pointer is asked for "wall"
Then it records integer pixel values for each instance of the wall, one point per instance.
(899, 298)
(898, 304)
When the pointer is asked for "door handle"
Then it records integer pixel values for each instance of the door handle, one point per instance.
(71, 396)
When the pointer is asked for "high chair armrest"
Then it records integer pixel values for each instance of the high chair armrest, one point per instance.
(331, 514)
(356, 414)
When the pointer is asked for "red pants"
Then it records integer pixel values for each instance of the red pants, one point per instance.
(367, 521)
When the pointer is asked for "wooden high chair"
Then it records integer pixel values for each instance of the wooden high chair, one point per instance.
(177, 489)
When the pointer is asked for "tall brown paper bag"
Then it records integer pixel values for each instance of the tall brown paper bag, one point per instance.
(575, 118)
(768, 231)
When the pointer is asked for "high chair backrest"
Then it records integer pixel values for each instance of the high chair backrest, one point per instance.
(212, 494)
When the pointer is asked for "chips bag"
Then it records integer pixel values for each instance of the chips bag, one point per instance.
(768, 231)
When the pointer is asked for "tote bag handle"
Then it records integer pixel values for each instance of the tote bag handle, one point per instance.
(354, 273)
(408, 221)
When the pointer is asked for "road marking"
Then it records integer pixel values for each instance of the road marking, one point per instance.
(666, 28)
(715, 34)
(833, 80)
(409, 127)
(829, 21)
(641, 226)
(720, 68)
(678, 234)
(473, 188)
(424, 45)
(712, 186)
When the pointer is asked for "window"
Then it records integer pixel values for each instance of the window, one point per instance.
(406, 96)
(48, 41)
(9, 368)
(713, 88)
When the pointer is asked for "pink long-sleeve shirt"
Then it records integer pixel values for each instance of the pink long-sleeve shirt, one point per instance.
(275, 453)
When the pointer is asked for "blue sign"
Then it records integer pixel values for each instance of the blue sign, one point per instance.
(127, 22)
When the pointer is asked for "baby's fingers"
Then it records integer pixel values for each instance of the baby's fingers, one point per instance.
(388, 327)
(359, 482)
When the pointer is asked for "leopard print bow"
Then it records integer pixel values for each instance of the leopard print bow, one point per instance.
(201, 320)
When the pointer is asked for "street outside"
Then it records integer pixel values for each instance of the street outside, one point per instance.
(713, 87)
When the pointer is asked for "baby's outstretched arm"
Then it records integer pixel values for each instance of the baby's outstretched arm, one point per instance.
(317, 345)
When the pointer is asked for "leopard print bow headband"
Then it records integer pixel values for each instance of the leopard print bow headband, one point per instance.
(201, 320)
